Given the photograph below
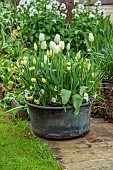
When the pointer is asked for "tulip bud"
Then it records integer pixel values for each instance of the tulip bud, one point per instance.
(45, 59)
(91, 37)
(62, 45)
(68, 47)
(18, 28)
(41, 37)
(51, 53)
(43, 45)
(47, 53)
(35, 47)
(78, 55)
(57, 39)
(34, 61)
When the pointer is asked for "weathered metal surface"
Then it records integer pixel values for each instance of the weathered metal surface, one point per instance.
(108, 95)
(54, 122)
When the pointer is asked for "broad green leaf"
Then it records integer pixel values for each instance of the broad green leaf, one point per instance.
(90, 85)
(65, 94)
(1, 72)
(82, 89)
(77, 102)
(5, 81)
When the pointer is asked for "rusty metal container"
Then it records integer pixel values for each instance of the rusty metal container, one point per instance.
(54, 122)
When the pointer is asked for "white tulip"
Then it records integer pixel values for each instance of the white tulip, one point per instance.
(43, 45)
(52, 45)
(56, 49)
(41, 37)
(91, 37)
(57, 39)
(62, 45)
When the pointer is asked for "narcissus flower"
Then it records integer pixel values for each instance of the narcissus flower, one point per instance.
(33, 80)
(68, 68)
(43, 80)
(29, 98)
(31, 68)
(31, 87)
(68, 63)
(36, 101)
(92, 74)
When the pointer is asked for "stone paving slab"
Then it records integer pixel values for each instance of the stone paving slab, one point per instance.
(93, 151)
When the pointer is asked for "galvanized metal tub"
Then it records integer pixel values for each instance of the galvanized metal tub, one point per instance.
(55, 122)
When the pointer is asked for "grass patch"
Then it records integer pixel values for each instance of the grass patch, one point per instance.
(19, 150)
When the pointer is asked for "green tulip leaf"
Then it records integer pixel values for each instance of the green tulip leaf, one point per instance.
(65, 94)
(77, 102)
(90, 85)
(82, 89)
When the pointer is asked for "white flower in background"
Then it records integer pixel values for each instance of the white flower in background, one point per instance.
(80, 8)
(35, 47)
(53, 99)
(57, 39)
(52, 45)
(41, 37)
(45, 59)
(76, 1)
(98, 3)
(91, 37)
(63, 7)
(27, 92)
(73, 11)
(62, 45)
(101, 12)
(49, 7)
(91, 15)
(56, 3)
(86, 97)
(54, 20)
(34, 11)
(76, 16)
(58, 12)
(68, 47)
(63, 16)
(42, 91)
(43, 45)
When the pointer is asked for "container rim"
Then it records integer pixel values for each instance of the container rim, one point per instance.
(56, 108)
